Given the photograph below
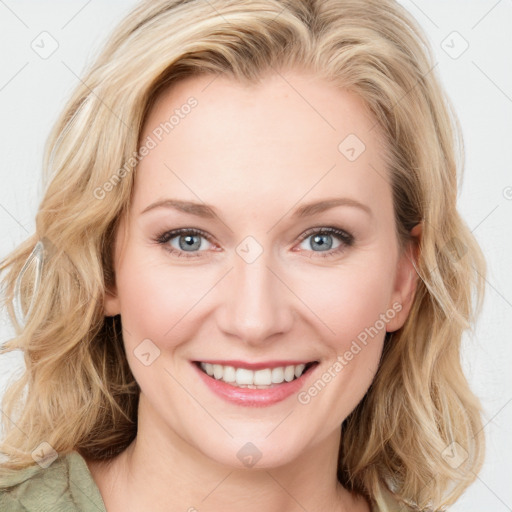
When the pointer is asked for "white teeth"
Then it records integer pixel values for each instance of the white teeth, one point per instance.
(289, 373)
(277, 375)
(263, 377)
(229, 374)
(258, 379)
(244, 376)
(218, 371)
(299, 369)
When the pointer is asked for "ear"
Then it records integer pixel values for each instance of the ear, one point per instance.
(111, 305)
(405, 281)
(111, 302)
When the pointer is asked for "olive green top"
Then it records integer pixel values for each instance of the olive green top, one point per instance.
(64, 486)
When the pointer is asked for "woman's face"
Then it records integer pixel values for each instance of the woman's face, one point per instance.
(293, 265)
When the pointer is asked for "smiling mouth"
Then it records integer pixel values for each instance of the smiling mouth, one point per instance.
(263, 378)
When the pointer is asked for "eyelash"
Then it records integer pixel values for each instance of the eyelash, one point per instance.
(347, 240)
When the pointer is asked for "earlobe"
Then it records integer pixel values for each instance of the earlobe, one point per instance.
(111, 303)
(406, 281)
(111, 306)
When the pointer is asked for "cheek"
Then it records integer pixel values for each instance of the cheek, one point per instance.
(159, 300)
(348, 299)
(353, 307)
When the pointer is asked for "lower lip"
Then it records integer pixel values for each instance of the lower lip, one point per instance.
(253, 397)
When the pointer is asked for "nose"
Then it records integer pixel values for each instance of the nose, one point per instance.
(256, 304)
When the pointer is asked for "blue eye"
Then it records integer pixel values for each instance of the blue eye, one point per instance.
(191, 242)
(321, 240)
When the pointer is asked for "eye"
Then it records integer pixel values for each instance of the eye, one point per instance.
(320, 241)
(185, 242)
(192, 242)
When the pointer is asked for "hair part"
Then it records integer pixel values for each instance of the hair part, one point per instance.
(419, 401)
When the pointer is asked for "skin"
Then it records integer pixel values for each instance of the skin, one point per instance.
(255, 153)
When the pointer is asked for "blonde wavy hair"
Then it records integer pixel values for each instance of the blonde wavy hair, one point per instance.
(78, 392)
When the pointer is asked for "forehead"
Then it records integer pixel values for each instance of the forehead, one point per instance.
(289, 135)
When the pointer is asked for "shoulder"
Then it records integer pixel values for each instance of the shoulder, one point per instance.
(65, 485)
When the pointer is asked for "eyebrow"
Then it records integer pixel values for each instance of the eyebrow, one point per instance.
(208, 212)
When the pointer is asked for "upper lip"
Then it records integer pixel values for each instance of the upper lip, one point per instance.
(256, 366)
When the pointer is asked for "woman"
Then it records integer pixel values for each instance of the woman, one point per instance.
(249, 279)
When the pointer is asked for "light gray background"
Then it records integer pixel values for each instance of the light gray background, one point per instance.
(478, 80)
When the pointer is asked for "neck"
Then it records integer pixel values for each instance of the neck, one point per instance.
(160, 471)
